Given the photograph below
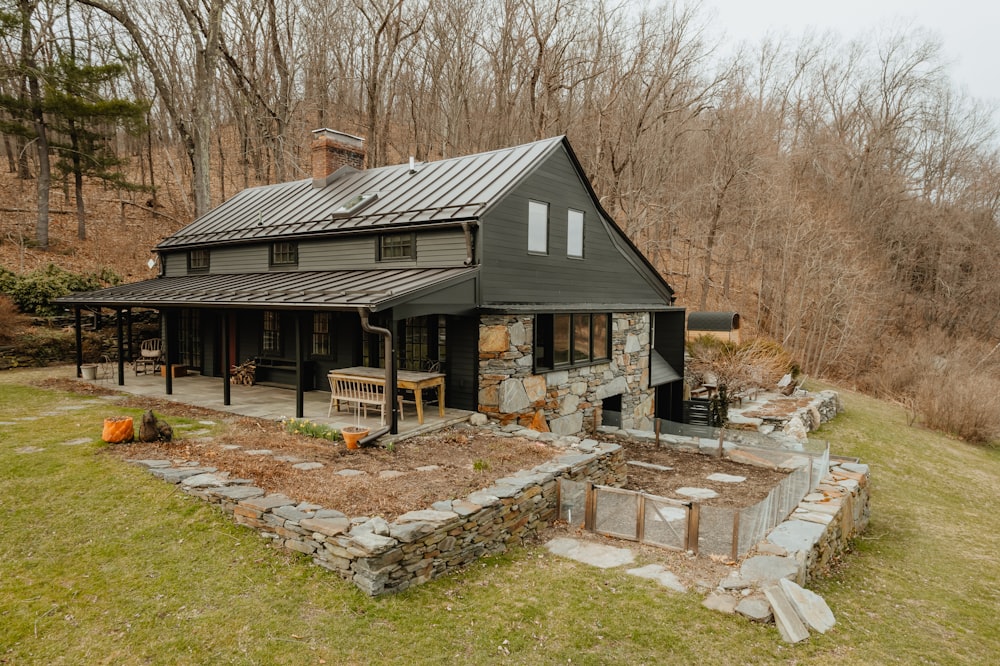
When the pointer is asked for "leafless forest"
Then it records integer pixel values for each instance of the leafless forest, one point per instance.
(843, 196)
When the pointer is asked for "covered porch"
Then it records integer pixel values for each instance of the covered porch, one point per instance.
(272, 403)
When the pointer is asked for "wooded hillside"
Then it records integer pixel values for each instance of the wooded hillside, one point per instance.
(841, 195)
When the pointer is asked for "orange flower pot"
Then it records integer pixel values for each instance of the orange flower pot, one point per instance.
(352, 435)
(118, 429)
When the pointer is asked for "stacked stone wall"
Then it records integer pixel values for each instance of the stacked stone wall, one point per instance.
(380, 557)
(567, 401)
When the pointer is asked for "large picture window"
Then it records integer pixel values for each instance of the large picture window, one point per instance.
(571, 339)
(538, 227)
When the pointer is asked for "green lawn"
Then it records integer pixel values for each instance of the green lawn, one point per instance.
(101, 563)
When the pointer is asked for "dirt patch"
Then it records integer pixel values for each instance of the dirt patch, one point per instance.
(691, 469)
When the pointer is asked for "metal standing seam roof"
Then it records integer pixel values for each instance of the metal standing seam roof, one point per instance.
(335, 290)
(460, 188)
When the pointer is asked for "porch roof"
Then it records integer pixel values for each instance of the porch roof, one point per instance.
(315, 290)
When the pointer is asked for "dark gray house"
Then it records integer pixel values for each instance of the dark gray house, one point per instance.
(501, 267)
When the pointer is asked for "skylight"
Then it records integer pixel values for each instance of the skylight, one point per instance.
(355, 204)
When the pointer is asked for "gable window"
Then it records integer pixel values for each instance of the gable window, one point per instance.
(574, 234)
(321, 334)
(538, 227)
(396, 247)
(198, 261)
(284, 253)
(571, 339)
(271, 342)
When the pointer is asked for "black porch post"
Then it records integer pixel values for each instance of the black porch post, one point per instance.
(299, 394)
(128, 320)
(79, 340)
(121, 348)
(165, 350)
(226, 390)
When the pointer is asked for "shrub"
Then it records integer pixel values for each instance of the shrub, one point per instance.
(755, 363)
(34, 292)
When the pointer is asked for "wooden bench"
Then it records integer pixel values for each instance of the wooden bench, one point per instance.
(361, 391)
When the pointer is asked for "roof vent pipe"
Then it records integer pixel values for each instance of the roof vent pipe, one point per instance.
(389, 391)
(413, 167)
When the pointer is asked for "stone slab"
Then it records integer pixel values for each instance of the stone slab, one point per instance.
(796, 536)
(268, 502)
(204, 481)
(326, 526)
(259, 452)
(390, 474)
(656, 572)
(239, 493)
(787, 620)
(756, 609)
(697, 493)
(762, 568)
(307, 466)
(726, 478)
(350, 472)
(594, 554)
(723, 603)
(646, 465)
(811, 608)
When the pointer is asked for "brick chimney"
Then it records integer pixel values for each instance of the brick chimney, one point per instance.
(332, 150)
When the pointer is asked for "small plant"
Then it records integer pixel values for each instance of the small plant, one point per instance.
(390, 446)
(480, 465)
(311, 429)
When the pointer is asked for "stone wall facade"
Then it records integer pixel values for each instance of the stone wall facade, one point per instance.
(567, 401)
(381, 557)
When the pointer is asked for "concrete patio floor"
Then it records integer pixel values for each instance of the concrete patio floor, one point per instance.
(267, 402)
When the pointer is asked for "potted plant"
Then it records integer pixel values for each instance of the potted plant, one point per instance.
(355, 433)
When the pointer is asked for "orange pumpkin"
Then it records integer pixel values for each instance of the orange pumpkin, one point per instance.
(118, 429)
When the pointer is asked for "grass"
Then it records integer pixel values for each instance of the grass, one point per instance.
(101, 563)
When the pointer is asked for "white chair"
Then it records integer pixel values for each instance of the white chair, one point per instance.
(150, 356)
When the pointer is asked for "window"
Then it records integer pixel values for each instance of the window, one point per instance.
(284, 254)
(538, 227)
(571, 339)
(574, 234)
(395, 247)
(198, 261)
(271, 344)
(321, 334)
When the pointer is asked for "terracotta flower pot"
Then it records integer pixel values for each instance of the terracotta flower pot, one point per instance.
(118, 429)
(352, 435)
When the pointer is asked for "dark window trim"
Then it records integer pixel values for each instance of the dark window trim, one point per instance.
(294, 247)
(547, 364)
(199, 269)
(379, 249)
(279, 342)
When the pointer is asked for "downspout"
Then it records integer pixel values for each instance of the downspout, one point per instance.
(467, 230)
(390, 368)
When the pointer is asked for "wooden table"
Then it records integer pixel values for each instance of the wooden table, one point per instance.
(405, 379)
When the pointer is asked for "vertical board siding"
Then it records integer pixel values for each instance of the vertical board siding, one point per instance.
(511, 275)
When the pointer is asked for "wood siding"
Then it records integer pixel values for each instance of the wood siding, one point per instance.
(605, 275)
(435, 249)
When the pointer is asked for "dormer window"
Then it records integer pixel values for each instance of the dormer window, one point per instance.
(284, 253)
(355, 204)
(198, 261)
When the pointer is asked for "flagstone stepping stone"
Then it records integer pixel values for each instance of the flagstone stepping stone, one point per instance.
(726, 478)
(307, 466)
(350, 472)
(29, 449)
(646, 465)
(259, 452)
(656, 572)
(76, 442)
(390, 474)
(288, 459)
(428, 468)
(207, 422)
(697, 493)
(199, 432)
(595, 554)
(230, 447)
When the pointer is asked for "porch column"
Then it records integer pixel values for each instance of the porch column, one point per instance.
(165, 350)
(128, 323)
(79, 340)
(121, 347)
(226, 390)
(299, 397)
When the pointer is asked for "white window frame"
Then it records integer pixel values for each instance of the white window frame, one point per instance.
(574, 234)
(538, 227)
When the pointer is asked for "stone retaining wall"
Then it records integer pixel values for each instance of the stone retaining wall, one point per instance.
(565, 401)
(381, 557)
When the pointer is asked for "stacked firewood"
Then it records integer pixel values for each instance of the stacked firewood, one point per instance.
(243, 373)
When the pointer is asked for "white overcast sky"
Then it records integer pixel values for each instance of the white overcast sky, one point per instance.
(968, 29)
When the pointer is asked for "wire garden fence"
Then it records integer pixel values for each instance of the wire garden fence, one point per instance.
(687, 525)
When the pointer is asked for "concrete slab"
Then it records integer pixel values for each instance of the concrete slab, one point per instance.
(594, 554)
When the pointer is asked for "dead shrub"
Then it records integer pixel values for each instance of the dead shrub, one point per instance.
(756, 363)
(965, 405)
(12, 322)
